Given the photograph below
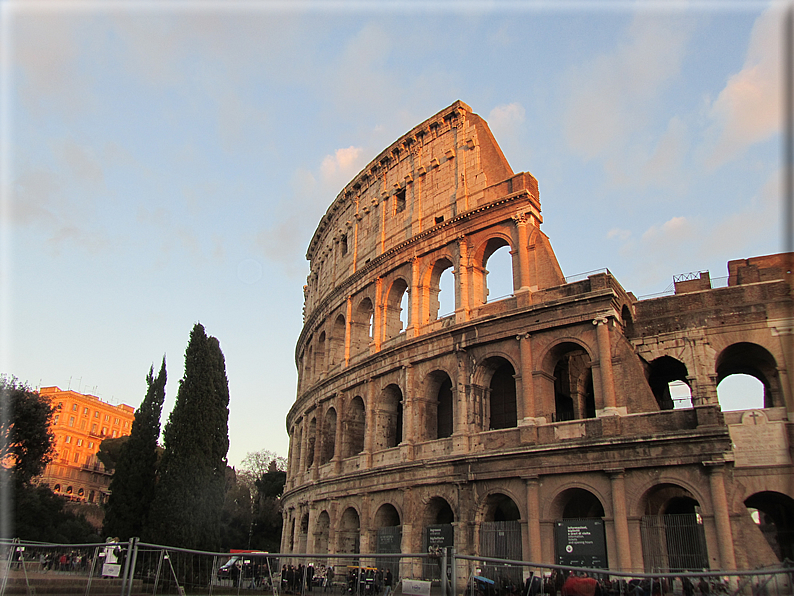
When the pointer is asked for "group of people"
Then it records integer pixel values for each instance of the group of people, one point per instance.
(369, 581)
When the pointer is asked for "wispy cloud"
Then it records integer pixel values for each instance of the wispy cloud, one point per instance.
(748, 110)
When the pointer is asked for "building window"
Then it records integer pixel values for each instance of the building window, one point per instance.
(116, 421)
(126, 423)
(96, 414)
(107, 417)
(104, 430)
(93, 428)
(399, 201)
(71, 420)
(85, 411)
(56, 488)
(343, 242)
(56, 418)
(114, 433)
(79, 442)
(74, 407)
(76, 457)
(68, 439)
(82, 425)
(90, 444)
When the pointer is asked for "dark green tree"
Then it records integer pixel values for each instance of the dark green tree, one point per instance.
(135, 472)
(26, 442)
(189, 498)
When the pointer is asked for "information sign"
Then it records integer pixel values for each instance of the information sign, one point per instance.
(581, 543)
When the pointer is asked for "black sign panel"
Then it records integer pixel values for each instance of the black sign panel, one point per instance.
(581, 543)
(441, 535)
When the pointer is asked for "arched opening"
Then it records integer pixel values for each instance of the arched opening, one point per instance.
(580, 513)
(673, 537)
(308, 363)
(295, 443)
(362, 327)
(329, 436)
(319, 356)
(500, 536)
(772, 514)
(498, 265)
(312, 440)
(303, 536)
(502, 407)
(438, 532)
(438, 294)
(349, 532)
(755, 361)
(396, 309)
(389, 537)
(336, 347)
(627, 320)
(390, 418)
(574, 398)
(322, 532)
(666, 375)
(740, 392)
(354, 429)
(446, 296)
(439, 410)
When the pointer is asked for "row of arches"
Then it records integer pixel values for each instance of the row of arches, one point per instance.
(437, 411)
(372, 317)
(670, 526)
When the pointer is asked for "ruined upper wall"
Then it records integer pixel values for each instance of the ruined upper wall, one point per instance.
(441, 168)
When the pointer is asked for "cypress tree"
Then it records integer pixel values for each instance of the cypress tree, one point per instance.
(134, 479)
(189, 499)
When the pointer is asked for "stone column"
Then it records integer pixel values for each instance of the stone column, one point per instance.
(339, 402)
(527, 382)
(310, 538)
(463, 282)
(348, 328)
(304, 445)
(722, 519)
(621, 523)
(370, 415)
(521, 220)
(533, 519)
(605, 367)
(409, 406)
(414, 318)
(378, 323)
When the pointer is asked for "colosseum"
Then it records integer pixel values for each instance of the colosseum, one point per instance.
(502, 424)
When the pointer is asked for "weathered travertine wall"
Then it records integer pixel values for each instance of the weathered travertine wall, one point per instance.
(551, 404)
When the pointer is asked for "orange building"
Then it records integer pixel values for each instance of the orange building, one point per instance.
(81, 423)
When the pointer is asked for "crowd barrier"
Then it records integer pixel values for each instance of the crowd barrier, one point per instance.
(136, 568)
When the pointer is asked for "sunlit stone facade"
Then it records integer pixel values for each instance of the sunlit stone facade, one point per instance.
(508, 416)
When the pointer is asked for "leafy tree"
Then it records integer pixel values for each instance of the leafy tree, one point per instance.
(135, 473)
(267, 526)
(237, 514)
(189, 498)
(110, 451)
(40, 515)
(26, 443)
(260, 462)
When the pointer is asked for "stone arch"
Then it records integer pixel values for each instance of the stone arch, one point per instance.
(754, 360)
(627, 320)
(329, 436)
(355, 428)
(393, 325)
(577, 501)
(439, 405)
(480, 258)
(312, 440)
(308, 362)
(437, 511)
(295, 443)
(361, 327)
(322, 533)
(387, 516)
(773, 514)
(319, 356)
(495, 377)
(389, 427)
(569, 364)
(336, 343)
(661, 372)
(432, 287)
(303, 533)
(349, 532)
(498, 506)
(673, 536)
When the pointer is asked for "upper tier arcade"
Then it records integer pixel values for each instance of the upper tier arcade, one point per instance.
(440, 197)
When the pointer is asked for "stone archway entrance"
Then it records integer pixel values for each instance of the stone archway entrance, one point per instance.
(580, 539)
(500, 537)
(438, 533)
(673, 536)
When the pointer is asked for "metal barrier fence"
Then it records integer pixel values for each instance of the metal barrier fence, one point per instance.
(137, 568)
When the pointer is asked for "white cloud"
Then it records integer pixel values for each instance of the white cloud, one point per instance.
(618, 233)
(343, 163)
(748, 110)
(674, 230)
(504, 119)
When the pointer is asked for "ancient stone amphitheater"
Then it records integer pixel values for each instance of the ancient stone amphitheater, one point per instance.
(505, 427)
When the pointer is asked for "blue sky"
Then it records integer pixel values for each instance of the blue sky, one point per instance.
(166, 163)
